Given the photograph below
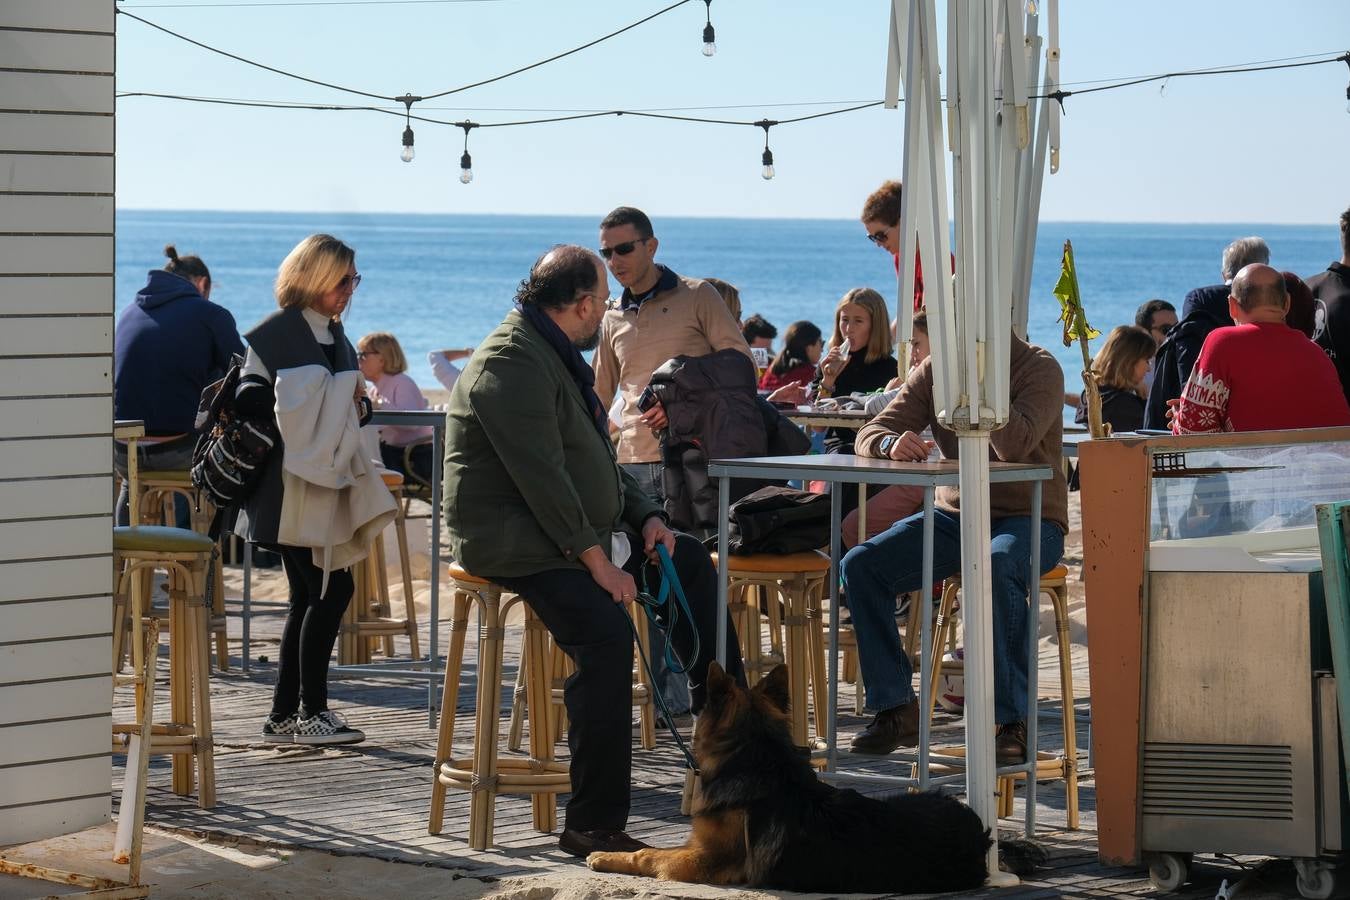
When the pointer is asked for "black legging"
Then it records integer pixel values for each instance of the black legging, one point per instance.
(312, 625)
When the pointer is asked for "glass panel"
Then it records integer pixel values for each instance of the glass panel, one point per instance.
(1239, 490)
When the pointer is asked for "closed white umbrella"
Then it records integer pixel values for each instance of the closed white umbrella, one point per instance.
(996, 182)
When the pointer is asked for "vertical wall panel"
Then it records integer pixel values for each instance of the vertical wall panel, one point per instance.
(56, 252)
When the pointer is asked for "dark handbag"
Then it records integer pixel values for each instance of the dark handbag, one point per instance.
(778, 520)
(228, 459)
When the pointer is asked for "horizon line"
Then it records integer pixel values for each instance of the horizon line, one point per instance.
(588, 215)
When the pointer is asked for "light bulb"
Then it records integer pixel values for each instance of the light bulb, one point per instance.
(407, 153)
(465, 168)
(767, 172)
(1031, 7)
(709, 40)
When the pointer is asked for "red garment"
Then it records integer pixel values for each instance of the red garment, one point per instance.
(918, 276)
(1257, 378)
(802, 374)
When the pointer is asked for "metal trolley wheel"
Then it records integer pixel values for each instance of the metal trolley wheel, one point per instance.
(1316, 878)
(1169, 871)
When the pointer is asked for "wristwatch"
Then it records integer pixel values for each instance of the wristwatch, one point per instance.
(886, 444)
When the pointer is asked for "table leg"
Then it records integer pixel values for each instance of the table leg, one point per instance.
(832, 711)
(434, 613)
(1033, 656)
(246, 612)
(723, 566)
(926, 649)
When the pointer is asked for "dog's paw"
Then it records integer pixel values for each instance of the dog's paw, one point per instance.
(604, 862)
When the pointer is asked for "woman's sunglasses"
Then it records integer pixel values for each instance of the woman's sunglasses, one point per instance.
(623, 249)
(353, 280)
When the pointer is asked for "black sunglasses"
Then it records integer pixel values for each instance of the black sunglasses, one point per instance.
(364, 353)
(879, 237)
(353, 280)
(623, 249)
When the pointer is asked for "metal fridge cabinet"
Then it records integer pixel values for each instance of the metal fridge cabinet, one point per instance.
(1214, 703)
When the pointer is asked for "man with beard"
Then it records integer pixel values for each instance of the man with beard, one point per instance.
(536, 502)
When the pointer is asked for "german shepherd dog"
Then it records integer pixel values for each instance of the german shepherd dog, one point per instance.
(765, 820)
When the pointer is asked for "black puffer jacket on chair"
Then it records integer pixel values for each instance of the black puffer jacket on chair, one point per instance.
(714, 411)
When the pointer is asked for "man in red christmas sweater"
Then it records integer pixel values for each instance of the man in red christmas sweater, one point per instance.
(1260, 374)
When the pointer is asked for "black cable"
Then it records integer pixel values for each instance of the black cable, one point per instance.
(432, 96)
(296, 3)
(541, 62)
(226, 53)
(1217, 70)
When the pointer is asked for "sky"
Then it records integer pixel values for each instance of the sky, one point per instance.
(1262, 147)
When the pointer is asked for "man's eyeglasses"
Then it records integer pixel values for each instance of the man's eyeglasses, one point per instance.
(879, 237)
(353, 280)
(623, 249)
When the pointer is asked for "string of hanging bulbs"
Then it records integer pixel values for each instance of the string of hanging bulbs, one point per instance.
(407, 151)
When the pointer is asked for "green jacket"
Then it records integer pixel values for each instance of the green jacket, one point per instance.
(529, 481)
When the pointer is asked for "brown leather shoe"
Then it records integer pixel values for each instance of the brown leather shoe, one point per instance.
(601, 840)
(892, 728)
(1010, 744)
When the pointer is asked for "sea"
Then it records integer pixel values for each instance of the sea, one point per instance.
(445, 281)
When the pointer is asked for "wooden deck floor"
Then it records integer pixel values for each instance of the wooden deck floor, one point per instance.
(372, 799)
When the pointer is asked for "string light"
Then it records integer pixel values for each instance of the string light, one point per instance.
(407, 153)
(1346, 59)
(709, 34)
(466, 161)
(767, 158)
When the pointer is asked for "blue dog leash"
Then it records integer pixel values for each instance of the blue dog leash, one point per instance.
(670, 596)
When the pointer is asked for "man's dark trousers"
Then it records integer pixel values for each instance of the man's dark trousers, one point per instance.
(595, 632)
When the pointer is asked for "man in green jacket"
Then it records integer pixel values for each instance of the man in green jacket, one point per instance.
(536, 502)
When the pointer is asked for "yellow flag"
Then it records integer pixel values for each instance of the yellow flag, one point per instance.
(1071, 303)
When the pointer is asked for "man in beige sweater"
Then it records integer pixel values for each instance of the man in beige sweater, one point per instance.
(876, 571)
(660, 315)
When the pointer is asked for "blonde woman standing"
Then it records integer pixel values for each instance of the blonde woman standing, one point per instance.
(319, 502)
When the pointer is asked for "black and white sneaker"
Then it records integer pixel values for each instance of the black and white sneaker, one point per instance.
(327, 727)
(280, 729)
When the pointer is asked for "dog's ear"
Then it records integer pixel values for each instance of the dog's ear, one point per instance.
(718, 679)
(774, 688)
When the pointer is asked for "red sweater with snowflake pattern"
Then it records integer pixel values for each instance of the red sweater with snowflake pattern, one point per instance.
(1259, 377)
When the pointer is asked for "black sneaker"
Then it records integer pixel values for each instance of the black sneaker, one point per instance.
(280, 729)
(327, 727)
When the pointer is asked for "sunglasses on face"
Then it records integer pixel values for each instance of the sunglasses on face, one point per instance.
(623, 249)
(1164, 329)
(353, 280)
(364, 353)
(879, 237)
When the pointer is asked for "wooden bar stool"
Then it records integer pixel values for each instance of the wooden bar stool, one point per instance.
(157, 491)
(797, 582)
(185, 556)
(485, 776)
(561, 667)
(368, 621)
(1063, 767)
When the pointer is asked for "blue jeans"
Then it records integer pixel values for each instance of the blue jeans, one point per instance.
(674, 688)
(163, 456)
(891, 563)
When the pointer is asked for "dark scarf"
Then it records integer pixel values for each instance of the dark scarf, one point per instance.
(582, 374)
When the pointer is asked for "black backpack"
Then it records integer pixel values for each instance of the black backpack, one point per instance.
(778, 520)
(228, 459)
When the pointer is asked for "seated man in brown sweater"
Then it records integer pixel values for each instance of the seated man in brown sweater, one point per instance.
(891, 563)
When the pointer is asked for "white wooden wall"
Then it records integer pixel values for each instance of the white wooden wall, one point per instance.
(56, 322)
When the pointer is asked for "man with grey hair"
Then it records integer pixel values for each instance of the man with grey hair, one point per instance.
(1260, 374)
(1203, 310)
